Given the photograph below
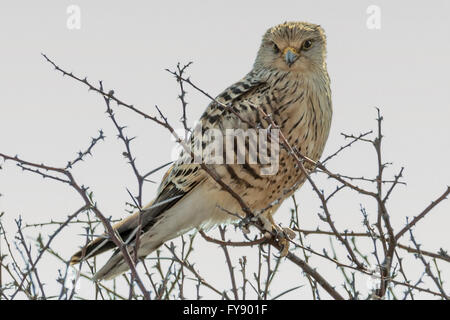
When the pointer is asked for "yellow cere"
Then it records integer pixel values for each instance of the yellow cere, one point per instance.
(290, 49)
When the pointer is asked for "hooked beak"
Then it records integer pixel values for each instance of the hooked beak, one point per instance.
(290, 55)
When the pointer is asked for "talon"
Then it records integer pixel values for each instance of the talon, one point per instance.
(290, 233)
(285, 247)
(283, 235)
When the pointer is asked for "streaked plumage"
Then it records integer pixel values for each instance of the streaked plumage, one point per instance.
(290, 82)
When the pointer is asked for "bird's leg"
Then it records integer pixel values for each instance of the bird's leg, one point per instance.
(283, 235)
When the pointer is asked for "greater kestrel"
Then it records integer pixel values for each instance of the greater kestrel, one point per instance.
(289, 82)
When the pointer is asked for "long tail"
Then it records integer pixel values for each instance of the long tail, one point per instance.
(115, 266)
(127, 230)
(157, 225)
(92, 249)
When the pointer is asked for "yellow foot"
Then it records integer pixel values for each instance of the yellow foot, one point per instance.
(283, 235)
(284, 247)
(287, 235)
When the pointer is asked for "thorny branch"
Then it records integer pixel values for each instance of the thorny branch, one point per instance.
(380, 231)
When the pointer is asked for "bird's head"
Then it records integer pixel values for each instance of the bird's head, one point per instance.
(293, 47)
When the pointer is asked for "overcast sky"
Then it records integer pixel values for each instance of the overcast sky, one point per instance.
(402, 68)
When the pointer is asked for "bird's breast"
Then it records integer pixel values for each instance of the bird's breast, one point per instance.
(303, 112)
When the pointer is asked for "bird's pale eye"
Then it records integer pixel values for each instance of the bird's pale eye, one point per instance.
(275, 47)
(307, 45)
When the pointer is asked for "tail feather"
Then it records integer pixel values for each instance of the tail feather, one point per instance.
(127, 230)
(150, 218)
(92, 249)
(115, 266)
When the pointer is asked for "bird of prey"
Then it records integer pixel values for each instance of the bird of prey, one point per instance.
(290, 83)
